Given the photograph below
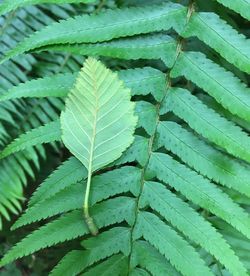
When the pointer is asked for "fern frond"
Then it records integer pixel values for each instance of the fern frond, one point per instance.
(148, 257)
(44, 134)
(64, 201)
(220, 36)
(101, 27)
(108, 243)
(241, 6)
(8, 5)
(139, 272)
(219, 83)
(190, 223)
(210, 102)
(52, 86)
(207, 122)
(6, 116)
(11, 187)
(160, 208)
(147, 115)
(168, 242)
(71, 226)
(138, 151)
(13, 177)
(239, 243)
(199, 190)
(26, 159)
(70, 264)
(144, 81)
(141, 81)
(203, 157)
(123, 180)
(157, 46)
(116, 265)
(69, 172)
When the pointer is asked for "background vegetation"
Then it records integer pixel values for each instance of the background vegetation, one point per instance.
(198, 133)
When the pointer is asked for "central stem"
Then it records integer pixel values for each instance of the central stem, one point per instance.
(89, 221)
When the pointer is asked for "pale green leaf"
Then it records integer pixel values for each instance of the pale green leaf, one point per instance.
(98, 121)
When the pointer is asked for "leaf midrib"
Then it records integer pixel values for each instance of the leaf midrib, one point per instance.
(93, 138)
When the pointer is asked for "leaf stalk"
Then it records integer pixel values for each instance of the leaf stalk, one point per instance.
(88, 219)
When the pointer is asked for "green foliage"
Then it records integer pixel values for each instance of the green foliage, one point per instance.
(8, 5)
(205, 73)
(144, 46)
(222, 132)
(119, 181)
(217, 34)
(98, 28)
(183, 217)
(25, 115)
(204, 158)
(43, 134)
(142, 81)
(176, 201)
(240, 6)
(199, 190)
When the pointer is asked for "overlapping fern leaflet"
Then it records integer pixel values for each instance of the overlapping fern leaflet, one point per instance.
(241, 6)
(168, 201)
